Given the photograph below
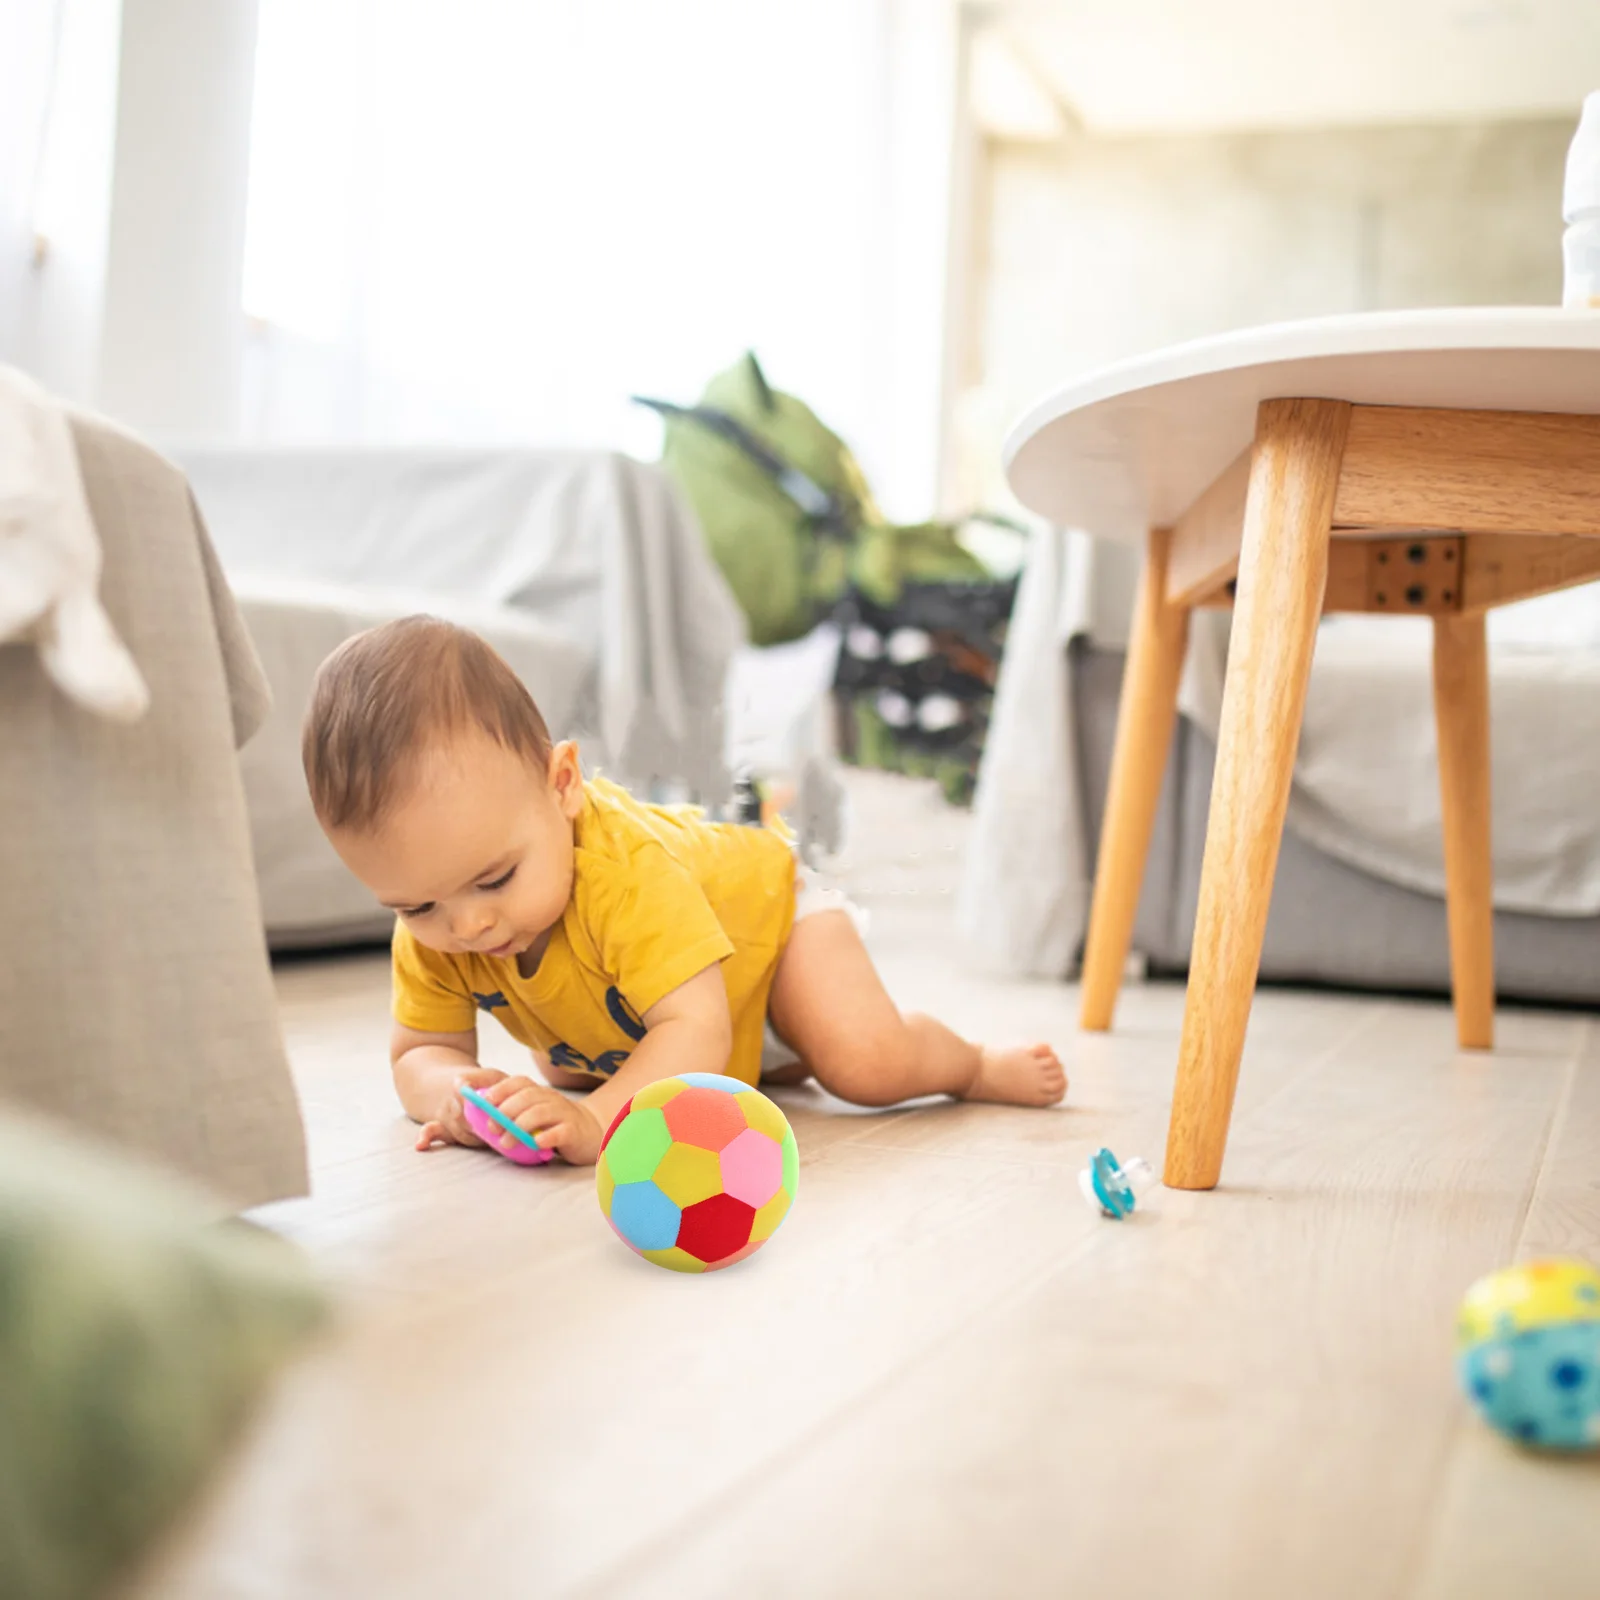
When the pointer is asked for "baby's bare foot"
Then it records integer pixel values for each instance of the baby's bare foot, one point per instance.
(1025, 1075)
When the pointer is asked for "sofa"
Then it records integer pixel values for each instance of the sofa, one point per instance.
(582, 568)
(1358, 897)
(1330, 922)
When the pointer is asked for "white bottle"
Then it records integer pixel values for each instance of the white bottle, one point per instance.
(1580, 207)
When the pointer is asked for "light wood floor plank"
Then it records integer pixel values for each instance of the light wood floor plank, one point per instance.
(1247, 1393)
(1511, 1522)
(944, 1376)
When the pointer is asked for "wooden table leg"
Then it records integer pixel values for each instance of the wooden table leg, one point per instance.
(1283, 573)
(1145, 717)
(1461, 711)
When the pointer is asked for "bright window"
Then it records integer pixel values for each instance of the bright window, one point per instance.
(493, 219)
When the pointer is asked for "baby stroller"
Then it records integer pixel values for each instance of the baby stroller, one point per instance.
(791, 522)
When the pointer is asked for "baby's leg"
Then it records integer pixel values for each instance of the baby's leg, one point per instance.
(829, 1004)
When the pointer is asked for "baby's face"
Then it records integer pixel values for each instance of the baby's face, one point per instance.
(478, 856)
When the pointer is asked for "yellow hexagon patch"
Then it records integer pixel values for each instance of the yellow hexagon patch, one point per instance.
(604, 1183)
(657, 1094)
(687, 1174)
(770, 1215)
(762, 1115)
(678, 1260)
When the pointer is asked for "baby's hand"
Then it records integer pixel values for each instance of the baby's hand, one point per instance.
(449, 1124)
(566, 1126)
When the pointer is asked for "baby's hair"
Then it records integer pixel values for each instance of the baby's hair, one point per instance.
(383, 697)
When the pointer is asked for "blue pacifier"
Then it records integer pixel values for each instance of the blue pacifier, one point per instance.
(1113, 1189)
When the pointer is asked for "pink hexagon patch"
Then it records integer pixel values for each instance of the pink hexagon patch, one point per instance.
(752, 1168)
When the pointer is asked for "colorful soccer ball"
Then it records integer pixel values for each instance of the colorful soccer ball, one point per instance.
(1528, 1353)
(697, 1172)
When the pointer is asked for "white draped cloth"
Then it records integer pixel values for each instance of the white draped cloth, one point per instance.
(582, 568)
(50, 557)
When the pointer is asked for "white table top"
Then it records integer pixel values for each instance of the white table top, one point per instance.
(1132, 446)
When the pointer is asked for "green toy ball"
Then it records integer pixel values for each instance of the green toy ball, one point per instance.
(1528, 1353)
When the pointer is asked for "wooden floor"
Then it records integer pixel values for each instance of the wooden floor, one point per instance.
(943, 1376)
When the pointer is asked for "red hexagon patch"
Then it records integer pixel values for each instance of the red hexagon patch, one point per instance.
(716, 1228)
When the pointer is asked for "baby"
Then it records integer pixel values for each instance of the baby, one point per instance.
(621, 942)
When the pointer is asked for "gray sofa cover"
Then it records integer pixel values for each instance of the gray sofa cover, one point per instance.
(1329, 923)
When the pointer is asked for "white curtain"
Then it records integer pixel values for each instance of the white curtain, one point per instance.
(27, 50)
(496, 219)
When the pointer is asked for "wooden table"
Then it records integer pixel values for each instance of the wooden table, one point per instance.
(1432, 463)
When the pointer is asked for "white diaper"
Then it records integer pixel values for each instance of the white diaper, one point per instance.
(811, 898)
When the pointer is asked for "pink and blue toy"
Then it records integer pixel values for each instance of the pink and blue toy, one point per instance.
(487, 1120)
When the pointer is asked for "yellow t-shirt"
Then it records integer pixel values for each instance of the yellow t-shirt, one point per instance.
(658, 894)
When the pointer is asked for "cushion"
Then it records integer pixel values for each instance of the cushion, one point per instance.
(135, 1332)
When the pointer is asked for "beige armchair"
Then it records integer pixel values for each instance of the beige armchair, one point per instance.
(136, 998)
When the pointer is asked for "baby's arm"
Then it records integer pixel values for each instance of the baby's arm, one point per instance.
(688, 1030)
(429, 1069)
